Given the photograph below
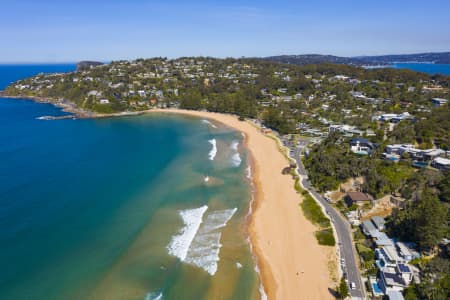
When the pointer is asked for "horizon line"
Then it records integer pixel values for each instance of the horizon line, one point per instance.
(210, 56)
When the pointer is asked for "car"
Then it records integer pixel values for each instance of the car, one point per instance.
(352, 285)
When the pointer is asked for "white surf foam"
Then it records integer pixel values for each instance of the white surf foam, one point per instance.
(154, 296)
(234, 145)
(180, 243)
(236, 160)
(205, 248)
(249, 172)
(209, 123)
(213, 151)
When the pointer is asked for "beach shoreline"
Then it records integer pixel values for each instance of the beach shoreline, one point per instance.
(291, 263)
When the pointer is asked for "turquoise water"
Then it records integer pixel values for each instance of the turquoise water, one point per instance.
(425, 68)
(122, 208)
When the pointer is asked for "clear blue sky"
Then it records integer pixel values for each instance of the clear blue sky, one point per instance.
(67, 31)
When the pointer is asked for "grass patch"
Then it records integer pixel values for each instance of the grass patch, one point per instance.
(297, 185)
(313, 211)
(325, 237)
(362, 249)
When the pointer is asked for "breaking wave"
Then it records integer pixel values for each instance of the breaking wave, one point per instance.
(213, 152)
(154, 296)
(198, 243)
(205, 248)
(192, 218)
(236, 158)
(209, 123)
(234, 145)
(249, 172)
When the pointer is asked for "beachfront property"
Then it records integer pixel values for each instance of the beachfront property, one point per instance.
(392, 258)
(361, 146)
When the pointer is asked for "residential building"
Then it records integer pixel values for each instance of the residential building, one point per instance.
(356, 198)
(361, 146)
(378, 222)
(438, 102)
(441, 163)
(369, 229)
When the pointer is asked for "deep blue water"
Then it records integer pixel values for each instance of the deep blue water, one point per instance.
(425, 68)
(88, 207)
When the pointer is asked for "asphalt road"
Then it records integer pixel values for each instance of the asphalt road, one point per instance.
(343, 231)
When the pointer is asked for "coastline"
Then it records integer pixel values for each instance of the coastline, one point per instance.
(292, 265)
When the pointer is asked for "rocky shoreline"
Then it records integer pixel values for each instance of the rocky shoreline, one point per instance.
(70, 107)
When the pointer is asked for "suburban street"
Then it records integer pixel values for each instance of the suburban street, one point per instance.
(348, 261)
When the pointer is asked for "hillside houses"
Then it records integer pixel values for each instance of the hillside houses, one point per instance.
(392, 260)
(436, 158)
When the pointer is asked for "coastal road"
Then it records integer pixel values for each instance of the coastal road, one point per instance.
(343, 231)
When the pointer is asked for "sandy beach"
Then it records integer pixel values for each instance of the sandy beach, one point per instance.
(292, 264)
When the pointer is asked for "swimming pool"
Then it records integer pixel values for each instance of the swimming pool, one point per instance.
(376, 289)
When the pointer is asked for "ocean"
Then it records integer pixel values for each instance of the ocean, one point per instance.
(142, 207)
(424, 68)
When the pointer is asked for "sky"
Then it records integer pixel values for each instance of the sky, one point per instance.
(70, 31)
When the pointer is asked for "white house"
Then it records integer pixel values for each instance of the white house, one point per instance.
(438, 102)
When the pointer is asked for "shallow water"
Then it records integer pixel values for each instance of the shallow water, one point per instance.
(91, 208)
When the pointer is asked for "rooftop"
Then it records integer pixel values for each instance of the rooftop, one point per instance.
(357, 196)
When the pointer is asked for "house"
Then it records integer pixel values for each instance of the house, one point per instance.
(438, 102)
(142, 93)
(94, 93)
(431, 154)
(405, 252)
(369, 229)
(378, 222)
(441, 163)
(395, 278)
(356, 198)
(382, 240)
(361, 146)
(414, 153)
(387, 256)
(395, 295)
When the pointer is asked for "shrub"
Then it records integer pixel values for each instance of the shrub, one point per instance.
(325, 237)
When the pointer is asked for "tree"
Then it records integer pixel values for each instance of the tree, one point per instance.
(423, 221)
(430, 222)
(342, 289)
(444, 187)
